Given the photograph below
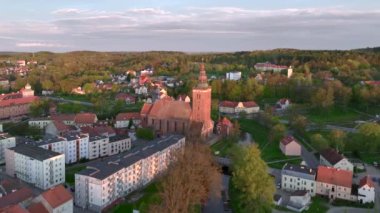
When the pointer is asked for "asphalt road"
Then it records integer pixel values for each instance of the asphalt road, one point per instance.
(215, 203)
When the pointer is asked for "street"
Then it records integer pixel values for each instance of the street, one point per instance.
(215, 203)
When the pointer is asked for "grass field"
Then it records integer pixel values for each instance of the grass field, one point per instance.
(269, 151)
(335, 115)
(70, 174)
(318, 205)
(222, 147)
(150, 195)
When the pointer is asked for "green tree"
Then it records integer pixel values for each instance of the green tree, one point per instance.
(299, 123)
(47, 85)
(252, 181)
(319, 142)
(323, 98)
(337, 139)
(145, 133)
(370, 134)
(277, 132)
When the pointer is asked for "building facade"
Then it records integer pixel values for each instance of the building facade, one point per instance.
(98, 147)
(230, 107)
(290, 147)
(40, 167)
(331, 158)
(16, 104)
(104, 182)
(234, 76)
(296, 177)
(6, 141)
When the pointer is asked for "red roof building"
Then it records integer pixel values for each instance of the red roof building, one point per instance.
(231, 107)
(16, 104)
(57, 196)
(20, 196)
(224, 126)
(37, 208)
(85, 119)
(366, 181)
(14, 209)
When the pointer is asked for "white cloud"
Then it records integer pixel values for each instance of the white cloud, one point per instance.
(220, 28)
(39, 44)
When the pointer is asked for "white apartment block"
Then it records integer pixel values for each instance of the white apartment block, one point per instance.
(118, 144)
(296, 177)
(75, 146)
(6, 141)
(105, 181)
(98, 147)
(40, 123)
(40, 167)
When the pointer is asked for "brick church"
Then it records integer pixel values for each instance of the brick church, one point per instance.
(174, 116)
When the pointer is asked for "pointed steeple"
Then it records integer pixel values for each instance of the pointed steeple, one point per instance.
(202, 79)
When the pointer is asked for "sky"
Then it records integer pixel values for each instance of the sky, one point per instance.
(187, 25)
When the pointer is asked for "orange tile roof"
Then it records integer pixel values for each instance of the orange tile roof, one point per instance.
(16, 197)
(17, 101)
(366, 181)
(146, 109)
(85, 118)
(37, 208)
(127, 115)
(63, 117)
(13, 209)
(57, 196)
(167, 109)
(225, 121)
(334, 176)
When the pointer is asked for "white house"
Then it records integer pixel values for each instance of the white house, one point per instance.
(290, 146)
(40, 167)
(283, 104)
(6, 141)
(230, 107)
(331, 158)
(235, 76)
(296, 177)
(102, 183)
(366, 191)
(40, 123)
(55, 200)
(123, 119)
(299, 200)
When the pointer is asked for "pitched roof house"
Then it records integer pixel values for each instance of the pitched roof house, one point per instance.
(85, 119)
(335, 183)
(290, 146)
(224, 126)
(231, 107)
(330, 157)
(56, 199)
(366, 191)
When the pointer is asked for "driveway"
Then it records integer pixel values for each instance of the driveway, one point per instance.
(215, 203)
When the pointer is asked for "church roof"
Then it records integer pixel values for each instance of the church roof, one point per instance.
(170, 109)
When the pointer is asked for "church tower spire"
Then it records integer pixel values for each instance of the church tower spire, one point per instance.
(202, 79)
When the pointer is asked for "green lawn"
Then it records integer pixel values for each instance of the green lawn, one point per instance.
(70, 173)
(84, 98)
(72, 108)
(279, 165)
(150, 196)
(335, 115)
(223, 147)
(269, 151)
(318, 205)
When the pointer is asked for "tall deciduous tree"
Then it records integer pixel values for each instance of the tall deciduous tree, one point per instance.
(251, 179)
(277, 132)
(191, 178)
(337, 139)
(319, 142)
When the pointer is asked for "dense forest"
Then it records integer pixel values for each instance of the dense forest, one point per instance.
(64, 71)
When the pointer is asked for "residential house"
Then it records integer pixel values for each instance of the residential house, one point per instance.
(40, 123)
(67, 119)
(123, 120)
(21, 196)
(269, 67)
(297, 177)
(40, 167)
(85, 119)
(56, 200)
(58, 128)
(234, 76)
(330, 157)
(128, 98)
(290, 146)
(230, 107)
(78, 91)
(299, 200)
(366, 191)
(283, 104)
(335, 183)
(224, 127)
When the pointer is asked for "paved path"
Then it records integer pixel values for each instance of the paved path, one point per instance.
(215, 203)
